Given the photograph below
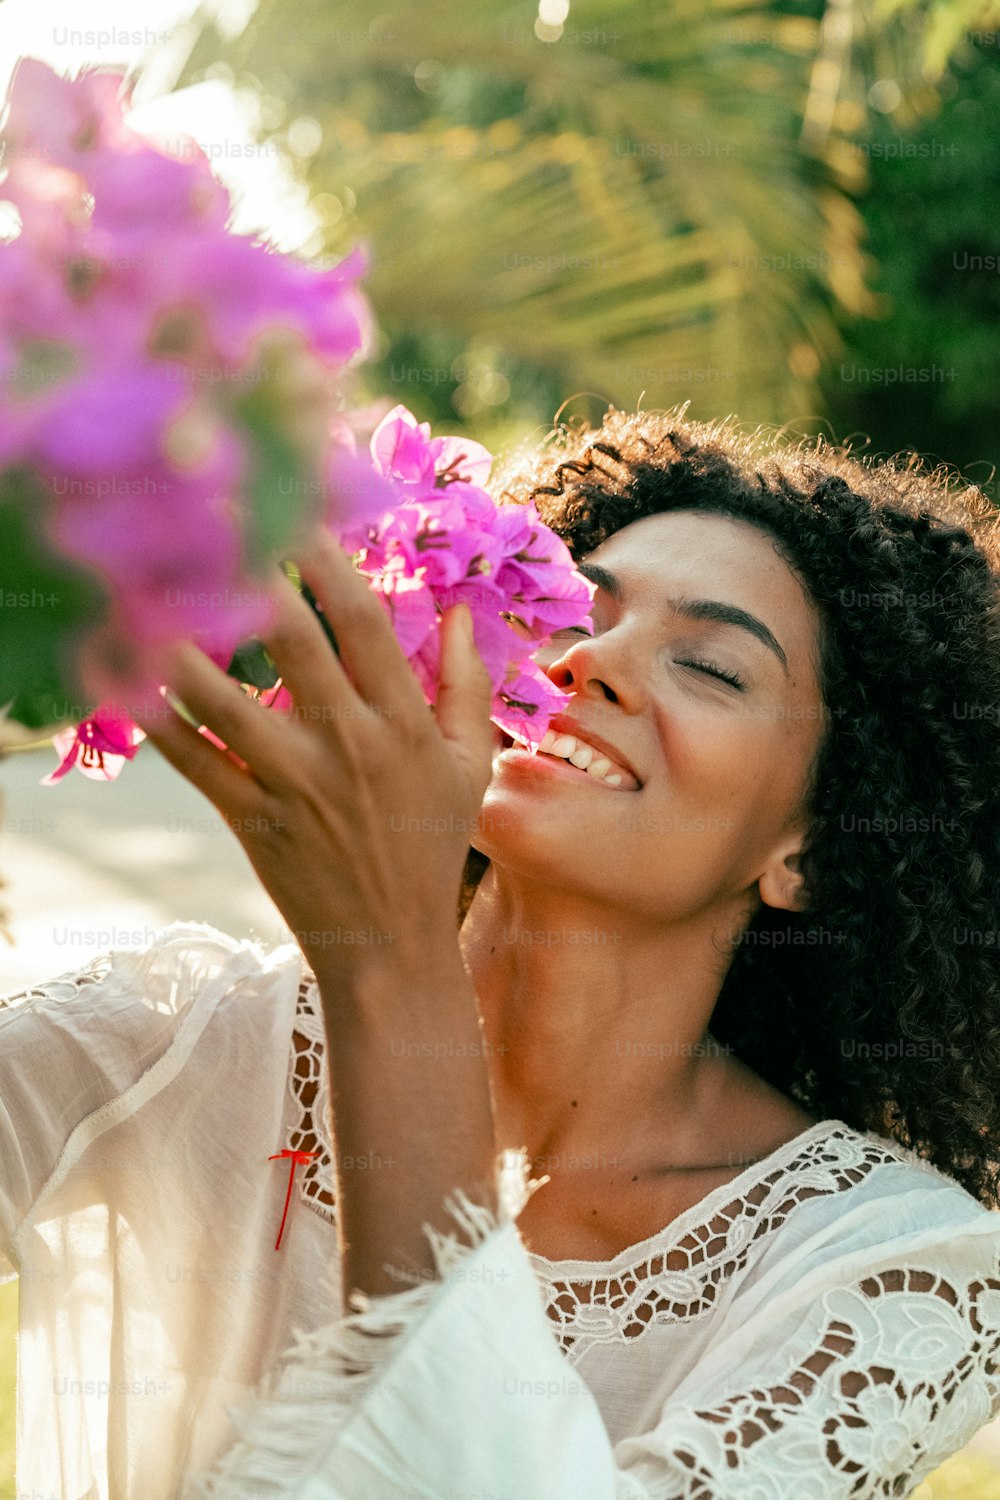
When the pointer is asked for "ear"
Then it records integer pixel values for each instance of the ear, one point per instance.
(781, 883)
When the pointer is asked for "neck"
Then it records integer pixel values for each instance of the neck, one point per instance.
(597, 1022)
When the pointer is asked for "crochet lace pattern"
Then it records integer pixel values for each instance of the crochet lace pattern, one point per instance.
(679, 1277)
(898, 1355)
(66, 987)
(678, 1274)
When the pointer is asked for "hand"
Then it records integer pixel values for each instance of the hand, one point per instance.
(355, 811)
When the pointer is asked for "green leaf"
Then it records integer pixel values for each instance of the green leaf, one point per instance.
(276, 492)
(252, 664)
(47, 603)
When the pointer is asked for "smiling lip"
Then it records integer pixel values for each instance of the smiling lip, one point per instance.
(564, 724)
(557, 765)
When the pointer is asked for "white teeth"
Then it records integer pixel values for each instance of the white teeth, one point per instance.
(581, 755)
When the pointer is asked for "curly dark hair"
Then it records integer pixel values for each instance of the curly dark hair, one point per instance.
(880, 1004)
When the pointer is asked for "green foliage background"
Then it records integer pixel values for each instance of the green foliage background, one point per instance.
(757, 206)
(930, 216)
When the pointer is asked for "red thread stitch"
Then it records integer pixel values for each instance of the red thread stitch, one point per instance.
(295, 1157)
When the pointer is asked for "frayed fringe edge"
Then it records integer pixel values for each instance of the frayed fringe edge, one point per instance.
(297, 1415)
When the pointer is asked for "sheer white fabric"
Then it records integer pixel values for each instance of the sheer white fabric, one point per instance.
(826, 1323)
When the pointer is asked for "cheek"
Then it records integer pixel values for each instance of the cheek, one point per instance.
(730, 774)
(773, 761)
(706, 755)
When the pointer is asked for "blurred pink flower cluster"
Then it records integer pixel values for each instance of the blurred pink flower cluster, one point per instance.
(445, 541)
(169, 427)
(154, 367)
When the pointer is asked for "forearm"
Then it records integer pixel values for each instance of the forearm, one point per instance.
(412, 1114)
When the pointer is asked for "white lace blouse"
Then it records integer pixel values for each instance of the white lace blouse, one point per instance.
(825, 1324)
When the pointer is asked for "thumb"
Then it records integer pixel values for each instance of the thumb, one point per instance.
(465, 692)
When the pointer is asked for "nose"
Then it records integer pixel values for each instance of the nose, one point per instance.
(580, 669)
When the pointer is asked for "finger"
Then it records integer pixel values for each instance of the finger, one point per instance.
(232, 789)
(465, 692)
(306, 661)
(264, 742)
(369, 651)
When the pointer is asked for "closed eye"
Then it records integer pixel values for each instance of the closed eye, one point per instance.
(714, 670)
(711, 668)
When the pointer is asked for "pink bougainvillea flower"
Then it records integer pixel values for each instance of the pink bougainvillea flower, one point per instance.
(400, 447)
(149, 190)
(460, 458)
(403, 447)
(527, 703)
(410, 606)
(141, 530)
(98, 747)
(445, 541)
(242, 288)
(277, 698)
(66, 121)
(357, 496)
(437, 539)
(152, 367)
(108, 419)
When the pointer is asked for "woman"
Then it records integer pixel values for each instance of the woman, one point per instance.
(724, 987)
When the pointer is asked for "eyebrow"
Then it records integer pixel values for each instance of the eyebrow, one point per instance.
(694, 609)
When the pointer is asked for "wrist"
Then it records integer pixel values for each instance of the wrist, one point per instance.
(416, 977)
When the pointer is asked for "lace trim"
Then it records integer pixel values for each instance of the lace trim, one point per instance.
(682, 1280)
(888, 1424)
(65, 987)
(309, 1085)
(903, 1369)
(682, 1275)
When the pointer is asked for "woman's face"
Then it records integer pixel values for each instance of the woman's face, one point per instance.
(722, 767)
